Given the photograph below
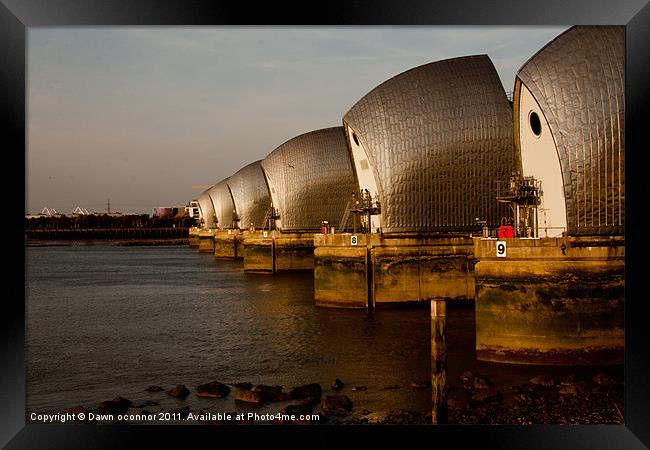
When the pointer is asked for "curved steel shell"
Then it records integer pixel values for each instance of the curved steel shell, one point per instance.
(206, 209)
(223, 204)
(578, 81)
(250, 194)
(439, 140)
(311, 179)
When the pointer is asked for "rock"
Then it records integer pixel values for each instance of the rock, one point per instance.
(466, 376)
(487, 396)
(390, 386)
(603, 379)
(118, 405)
(297, 410)
(179, 391)
(312, 390)
(543, 380)
(568, 389)
(480, 383)
(245, 385)
(214, 389)
(272, 393)
(249, 396)
(522, 398)
(360, 388)
(184, 412)
(337, 405)
(76, 410)
(337, 385)
(474, 381)
(420, 384)
(154, 389)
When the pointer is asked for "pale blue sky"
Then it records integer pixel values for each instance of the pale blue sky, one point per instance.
(139, 115)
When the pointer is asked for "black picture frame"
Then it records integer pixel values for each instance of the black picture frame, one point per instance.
(16, 16)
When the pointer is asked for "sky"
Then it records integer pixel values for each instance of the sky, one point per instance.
(139, 115)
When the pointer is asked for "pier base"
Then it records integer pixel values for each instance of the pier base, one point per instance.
(229, 245)
(278, 251)
(550, 301)
(194, 237)
(206, 241)
(387, 271)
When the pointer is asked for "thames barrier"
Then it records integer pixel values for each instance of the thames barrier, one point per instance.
(439, 187)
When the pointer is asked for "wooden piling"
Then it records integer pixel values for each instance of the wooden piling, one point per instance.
(439, 361)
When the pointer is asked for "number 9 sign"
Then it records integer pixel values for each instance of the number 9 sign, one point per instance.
(501, 249)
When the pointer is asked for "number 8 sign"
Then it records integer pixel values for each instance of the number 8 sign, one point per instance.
(501, 249)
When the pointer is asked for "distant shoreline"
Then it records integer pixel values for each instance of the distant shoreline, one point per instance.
(112, 242)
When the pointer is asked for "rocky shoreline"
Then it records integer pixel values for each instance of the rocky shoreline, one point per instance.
(543, 399)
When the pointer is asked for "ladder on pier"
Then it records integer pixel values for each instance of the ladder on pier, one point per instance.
(346, 217)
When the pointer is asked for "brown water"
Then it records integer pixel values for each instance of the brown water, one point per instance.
(105, 320)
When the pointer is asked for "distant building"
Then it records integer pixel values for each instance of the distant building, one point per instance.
(192, 209)
(166, 212)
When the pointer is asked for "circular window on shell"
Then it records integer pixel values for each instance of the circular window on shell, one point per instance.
(535, 123)
(356, 140)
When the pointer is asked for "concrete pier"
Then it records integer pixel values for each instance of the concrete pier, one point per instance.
(206, 241)
(550, 300)
(278, 251)
(194, 237)
(229, 244)
(382, 271)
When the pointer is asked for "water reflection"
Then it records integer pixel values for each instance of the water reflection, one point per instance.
(104, 321)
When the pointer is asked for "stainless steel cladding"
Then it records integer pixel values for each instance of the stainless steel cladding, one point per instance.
(250, 194)
(576, 88)
(438, 141)
(310, 178)
(223, 204)
(206, 210)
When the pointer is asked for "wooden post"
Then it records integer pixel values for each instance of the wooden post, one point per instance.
(273, 254)
(438, 361)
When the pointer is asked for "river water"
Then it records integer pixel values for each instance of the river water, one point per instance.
(106, 320)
